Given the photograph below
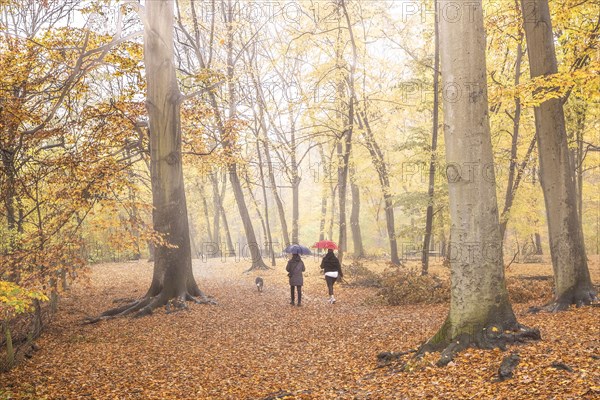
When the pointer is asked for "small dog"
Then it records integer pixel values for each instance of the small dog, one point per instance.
(259, 284)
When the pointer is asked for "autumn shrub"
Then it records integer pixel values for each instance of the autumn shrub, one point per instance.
(357, 274)
(524, 290)
(408, 286)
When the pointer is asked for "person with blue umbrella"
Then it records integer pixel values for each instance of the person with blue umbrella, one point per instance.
(295, 267)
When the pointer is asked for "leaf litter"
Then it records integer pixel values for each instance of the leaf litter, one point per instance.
(257, 346)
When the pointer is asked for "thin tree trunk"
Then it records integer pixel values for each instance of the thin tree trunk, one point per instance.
(324, 194)
(218, 206)
(538, 244)
(295, 204)
(264, 193)
(538, 238)
(384, 181)
(194, 248)
(206, 215)
(514, 187)
(345, 143)
(513, 182)
(257, 209)
(10, 192)
(270, 172)
(333, 190)
(434, 137)
(342, 179)
(134, 210)
(10, 352)
(275, 192)
(230, 245)
(359, 251)
(567, 248)
(295, 177)
(253, 247)
(516, 123)
(579, 154)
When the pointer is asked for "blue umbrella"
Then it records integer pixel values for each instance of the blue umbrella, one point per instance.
(297, 249)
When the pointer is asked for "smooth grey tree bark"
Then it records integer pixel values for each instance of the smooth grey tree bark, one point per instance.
(557, 174)
(172, 279)
(480, 312)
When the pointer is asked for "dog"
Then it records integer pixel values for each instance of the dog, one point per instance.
(259, 283)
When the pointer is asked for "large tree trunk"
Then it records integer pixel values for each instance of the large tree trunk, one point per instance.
(172, 277)
(433, 157)
(567, 249)
(480, 311)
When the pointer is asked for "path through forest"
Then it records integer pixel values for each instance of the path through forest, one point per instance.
(256, 346)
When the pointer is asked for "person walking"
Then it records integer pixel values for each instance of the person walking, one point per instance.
(333, 270)
(295, 268)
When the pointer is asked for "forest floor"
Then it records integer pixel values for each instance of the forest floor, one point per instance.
(257, 346)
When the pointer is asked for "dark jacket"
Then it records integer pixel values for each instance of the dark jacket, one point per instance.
(330, 263)
(295, 268)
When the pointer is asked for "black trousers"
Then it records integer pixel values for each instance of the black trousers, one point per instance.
(299, 288)
(330, 281)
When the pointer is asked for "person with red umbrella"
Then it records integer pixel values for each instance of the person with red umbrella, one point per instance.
(330, 265)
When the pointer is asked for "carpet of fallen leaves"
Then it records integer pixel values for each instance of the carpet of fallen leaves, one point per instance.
(257, 346)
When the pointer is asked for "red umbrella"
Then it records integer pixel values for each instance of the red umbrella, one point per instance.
(325, 244)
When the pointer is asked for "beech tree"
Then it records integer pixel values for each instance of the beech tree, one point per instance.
(480, 311)
(557, 174)
(172, 277)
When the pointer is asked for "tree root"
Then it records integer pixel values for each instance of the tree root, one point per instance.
(124, 300)
(203, 299)
(259, 267)
(489, 338)
(146, 305)
(388, 357)
(507, 367)
(282, 394)
(578, 298)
